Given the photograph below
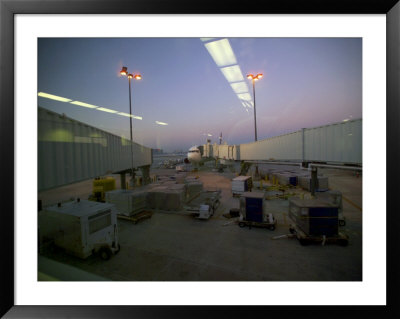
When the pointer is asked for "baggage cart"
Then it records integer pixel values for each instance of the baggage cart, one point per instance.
(270, 223)
(304, 239)
(198, 204)
(253, 211)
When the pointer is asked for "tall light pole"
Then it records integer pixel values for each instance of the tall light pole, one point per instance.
(254, 79)
(124, 72)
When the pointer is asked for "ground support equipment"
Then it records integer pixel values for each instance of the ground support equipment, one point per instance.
(205, 198)
(243, 223)
(304, 239)
(137, 217)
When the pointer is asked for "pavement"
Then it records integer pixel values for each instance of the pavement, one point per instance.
(174, 246)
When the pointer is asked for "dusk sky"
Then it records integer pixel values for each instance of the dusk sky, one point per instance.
(194, 86)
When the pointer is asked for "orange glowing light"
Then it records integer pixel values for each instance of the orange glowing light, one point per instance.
(259, 75)
(130, 76)
(124, 70)
(250, 76)
(138, 77)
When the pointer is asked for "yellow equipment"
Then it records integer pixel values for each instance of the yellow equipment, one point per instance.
(100, 186)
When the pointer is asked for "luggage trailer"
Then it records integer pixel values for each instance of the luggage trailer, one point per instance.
(253, 211)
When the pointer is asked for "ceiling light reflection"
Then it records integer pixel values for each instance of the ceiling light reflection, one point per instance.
(53, 97)
(221, 52)
(90, 106)
(87, 105)
(240, 87)
(206, 39)
(106, 110)
(232, 73)
(161, 123)
(244, 96)
(124, 114)
(223, 55)
(248, 104)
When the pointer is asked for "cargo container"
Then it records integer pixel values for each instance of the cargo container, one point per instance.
(334, 197)
(252, 205)
(127, 202)
(253, 211)
(322, 183)
(314, 217)
(287, 179)
(241, 184)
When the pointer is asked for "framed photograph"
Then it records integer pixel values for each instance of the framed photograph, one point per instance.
(68, 65)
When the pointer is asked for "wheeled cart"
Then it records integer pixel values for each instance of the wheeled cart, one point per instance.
(267, 224)
(304, 239)
(137, 217)
(204, 204)
(253, 211)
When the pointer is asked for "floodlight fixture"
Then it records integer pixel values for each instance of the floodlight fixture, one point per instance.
(124, 70)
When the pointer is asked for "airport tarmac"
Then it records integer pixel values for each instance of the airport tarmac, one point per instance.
(174, 246)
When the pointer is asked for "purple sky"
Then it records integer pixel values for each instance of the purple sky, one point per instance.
(307, 82)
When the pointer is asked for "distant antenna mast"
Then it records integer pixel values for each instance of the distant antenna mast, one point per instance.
(220, 138)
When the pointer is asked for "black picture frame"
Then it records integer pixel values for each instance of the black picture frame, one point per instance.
(7, 169)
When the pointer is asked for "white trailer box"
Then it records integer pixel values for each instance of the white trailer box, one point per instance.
(241, 184)
(127, 202)
(81, 227)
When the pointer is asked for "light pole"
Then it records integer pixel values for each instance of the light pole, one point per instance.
(124, 72)
(254, 79)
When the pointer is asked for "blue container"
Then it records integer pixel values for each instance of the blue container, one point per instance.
(254, 209)
(323, 221)
(293, 180)
(315, 217)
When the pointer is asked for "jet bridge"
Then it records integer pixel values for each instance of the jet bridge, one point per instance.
(339, 143)
(70, 151)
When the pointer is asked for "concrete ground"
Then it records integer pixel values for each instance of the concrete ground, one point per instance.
(173, 246)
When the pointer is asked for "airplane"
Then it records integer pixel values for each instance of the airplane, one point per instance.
(193, 155)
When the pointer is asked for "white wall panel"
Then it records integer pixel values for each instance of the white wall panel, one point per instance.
(339, 142)
(207, 150)
(236, 152)
(223, 150)
(215, 150)
(284, 147)
(231, 152)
